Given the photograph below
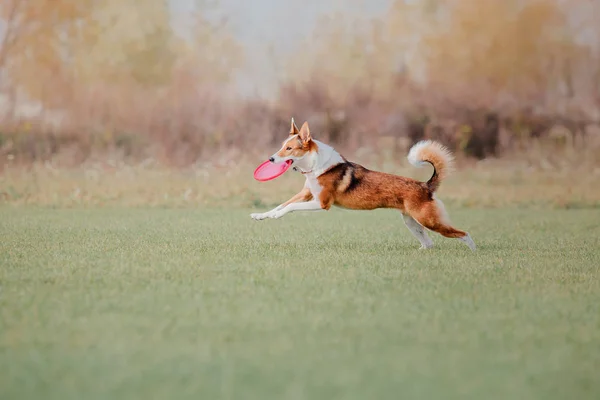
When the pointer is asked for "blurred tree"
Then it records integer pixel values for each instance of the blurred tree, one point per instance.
(9, 14)
(210, 54)
(339, 53)
(353, 50)
(35, 36)
(497, 48)
(482, 53)
(122, 42)
(50, 49)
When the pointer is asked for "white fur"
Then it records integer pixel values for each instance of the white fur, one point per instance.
(280, 211)
(326, 157)
(468, 241)
(418, 231)
(270, 213)
(315, 164)
(313, 205)
(414, 155)
(442, 210)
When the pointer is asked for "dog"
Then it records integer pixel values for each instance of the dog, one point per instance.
(333, 180)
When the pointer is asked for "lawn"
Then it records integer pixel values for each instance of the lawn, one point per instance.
(118, 303)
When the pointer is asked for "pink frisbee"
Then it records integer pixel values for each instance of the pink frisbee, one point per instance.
(268, 170)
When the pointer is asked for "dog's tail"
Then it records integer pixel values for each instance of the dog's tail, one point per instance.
(427, 151)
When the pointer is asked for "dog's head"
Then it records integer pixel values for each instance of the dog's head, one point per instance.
(297, 146)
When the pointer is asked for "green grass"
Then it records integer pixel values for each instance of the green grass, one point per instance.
(208, 304)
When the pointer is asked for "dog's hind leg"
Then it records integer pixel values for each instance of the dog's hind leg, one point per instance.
(418, 231)
(468, 241)
(433, 216)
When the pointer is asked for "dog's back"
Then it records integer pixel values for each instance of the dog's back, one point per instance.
(356, 187)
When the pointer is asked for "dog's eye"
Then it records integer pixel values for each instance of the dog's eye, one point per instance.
(289, 148)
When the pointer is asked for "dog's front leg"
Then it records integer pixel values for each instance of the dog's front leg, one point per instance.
(267, 214)
(303, 195)
(313, 205)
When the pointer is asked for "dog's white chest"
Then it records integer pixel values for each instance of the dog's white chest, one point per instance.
(313, 185)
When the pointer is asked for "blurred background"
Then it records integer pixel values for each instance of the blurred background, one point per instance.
(207, 86)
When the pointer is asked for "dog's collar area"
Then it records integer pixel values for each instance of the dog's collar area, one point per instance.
(302, 172)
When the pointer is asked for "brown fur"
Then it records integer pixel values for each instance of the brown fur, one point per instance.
(441, 159)
(353, 186)
(299, 147)
(293, 128)
(303, 195)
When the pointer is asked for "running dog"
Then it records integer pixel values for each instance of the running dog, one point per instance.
(333, 180)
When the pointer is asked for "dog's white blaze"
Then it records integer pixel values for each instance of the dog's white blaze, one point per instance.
(285, 142)
(284, 145)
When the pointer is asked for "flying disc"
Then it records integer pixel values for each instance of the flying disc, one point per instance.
(268, 170)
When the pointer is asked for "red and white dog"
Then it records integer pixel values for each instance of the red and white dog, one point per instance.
(332, 180)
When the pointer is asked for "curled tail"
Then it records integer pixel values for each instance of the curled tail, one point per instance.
(427, 151)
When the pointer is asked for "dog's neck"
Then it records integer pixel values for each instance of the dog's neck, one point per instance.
(315, 164)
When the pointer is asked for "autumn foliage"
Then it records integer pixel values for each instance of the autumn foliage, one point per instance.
(86, 78)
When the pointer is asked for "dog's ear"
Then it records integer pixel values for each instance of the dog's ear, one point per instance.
(305, 133)
(293, 129)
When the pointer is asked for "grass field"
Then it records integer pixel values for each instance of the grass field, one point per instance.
(119, 303)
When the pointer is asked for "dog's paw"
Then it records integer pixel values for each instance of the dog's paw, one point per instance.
(261, 216)
(258, 216)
